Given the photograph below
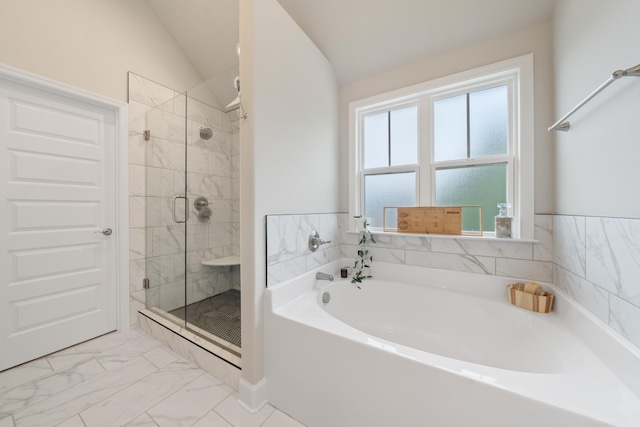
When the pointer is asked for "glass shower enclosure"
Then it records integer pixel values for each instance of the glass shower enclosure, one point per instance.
(192, 212)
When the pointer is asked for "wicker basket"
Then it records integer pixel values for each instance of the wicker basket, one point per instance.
(540, 302)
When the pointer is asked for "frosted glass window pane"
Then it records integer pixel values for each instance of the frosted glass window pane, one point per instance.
(404, 136)
(484, 185)
(488, 121)
(376, 140)
(450, 128)
(393, 189)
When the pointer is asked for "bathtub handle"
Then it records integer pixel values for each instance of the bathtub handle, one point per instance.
(315, 241)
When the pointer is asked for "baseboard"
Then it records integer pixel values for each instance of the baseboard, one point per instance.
(252, 397)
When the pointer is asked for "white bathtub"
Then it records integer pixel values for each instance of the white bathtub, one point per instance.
(425, 347)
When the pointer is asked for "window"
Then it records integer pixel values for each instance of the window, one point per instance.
(390, 161)
(471, 148)
(461, 140)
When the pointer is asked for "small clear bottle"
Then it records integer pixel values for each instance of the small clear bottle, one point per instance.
(504, 222)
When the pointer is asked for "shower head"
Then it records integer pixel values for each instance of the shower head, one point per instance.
(206, 133)
(236, 104)
(233, 105)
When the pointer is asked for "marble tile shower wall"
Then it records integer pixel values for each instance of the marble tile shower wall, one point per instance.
(157, 174)
(597, 262)
(288, 254)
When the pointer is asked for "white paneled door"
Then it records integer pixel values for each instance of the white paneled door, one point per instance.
(57, 189)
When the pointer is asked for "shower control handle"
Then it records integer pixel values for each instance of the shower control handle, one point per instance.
(315, 241)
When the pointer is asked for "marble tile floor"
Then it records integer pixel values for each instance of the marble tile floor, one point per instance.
(122, 379)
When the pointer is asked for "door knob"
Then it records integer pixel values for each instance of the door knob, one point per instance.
(106, 231)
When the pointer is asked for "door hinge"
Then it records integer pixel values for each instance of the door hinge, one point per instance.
(145, 283)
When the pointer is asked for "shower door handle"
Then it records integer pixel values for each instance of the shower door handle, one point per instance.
(186, 209)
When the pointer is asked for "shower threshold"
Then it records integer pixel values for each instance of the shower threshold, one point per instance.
(203, 337)
(215, 358)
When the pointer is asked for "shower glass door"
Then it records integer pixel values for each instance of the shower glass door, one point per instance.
(192, 205)
(166, 208)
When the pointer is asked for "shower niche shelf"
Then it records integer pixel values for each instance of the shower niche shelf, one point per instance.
(222, 262)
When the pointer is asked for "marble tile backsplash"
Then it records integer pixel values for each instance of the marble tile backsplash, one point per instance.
(288, 254)
(596, 261)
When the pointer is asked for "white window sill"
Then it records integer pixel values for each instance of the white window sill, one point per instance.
(484, 238)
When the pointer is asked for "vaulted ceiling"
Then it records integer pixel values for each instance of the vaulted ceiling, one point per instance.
(360, 38)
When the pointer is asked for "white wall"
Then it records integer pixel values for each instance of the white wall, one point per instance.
(289, 147)
(536, 40)
(92, 44)
(597, 169)
(596, 234)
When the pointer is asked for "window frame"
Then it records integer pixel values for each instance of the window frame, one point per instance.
(415, 168)
(518, 74)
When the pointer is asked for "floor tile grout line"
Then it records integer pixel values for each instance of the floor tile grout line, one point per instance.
(101, 371)
(122, 389)
(274, 409)
(222, 384)
(266, 419)
(49, 363)
(196, 421)
(171, 394)
(153, 420)
(103, 336)
(49, 375)
(273, 413)
(222, 416)
(89, 355)
(142, 379)
(45, 375)
(100, 401)
(70, 368)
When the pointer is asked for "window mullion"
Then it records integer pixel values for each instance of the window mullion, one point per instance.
(388, 138)
(472, 162)
(390, 169)
(468, 129)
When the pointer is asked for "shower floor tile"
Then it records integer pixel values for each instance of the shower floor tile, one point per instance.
(219, 315)
(122, 379)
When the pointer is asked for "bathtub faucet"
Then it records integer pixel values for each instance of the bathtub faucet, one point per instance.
(324, 276)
